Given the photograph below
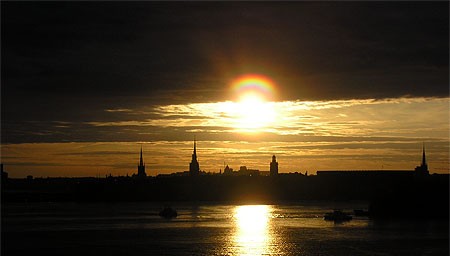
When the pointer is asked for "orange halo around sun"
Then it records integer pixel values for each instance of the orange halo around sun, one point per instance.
(255, 84)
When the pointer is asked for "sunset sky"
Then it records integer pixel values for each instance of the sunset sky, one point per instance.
(322, 85)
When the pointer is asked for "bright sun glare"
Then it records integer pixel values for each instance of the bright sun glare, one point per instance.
(252, 112)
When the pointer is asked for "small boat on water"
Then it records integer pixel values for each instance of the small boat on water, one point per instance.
(168, 213)
(337, 215)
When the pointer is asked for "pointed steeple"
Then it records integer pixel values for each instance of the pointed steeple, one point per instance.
(194, 154)
(141, 167)
(194, 167)
(195, 147)
(422, 170)
(141, 161)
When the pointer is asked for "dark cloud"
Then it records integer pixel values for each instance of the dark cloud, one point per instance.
(70, 61)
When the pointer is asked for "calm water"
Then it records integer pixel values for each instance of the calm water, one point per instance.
(136, 229)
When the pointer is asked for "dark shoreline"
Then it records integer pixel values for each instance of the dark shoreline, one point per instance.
(389, 196)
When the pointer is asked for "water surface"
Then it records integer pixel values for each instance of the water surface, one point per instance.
(210, 229)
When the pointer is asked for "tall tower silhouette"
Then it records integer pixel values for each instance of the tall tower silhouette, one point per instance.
(424, 161)
(141, 167)
(274, 166)
(423, 168)
(194, 167)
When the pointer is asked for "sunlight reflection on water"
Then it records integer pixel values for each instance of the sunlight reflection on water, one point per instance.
(252, 236)
(297, 229)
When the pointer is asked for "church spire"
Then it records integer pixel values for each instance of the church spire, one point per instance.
(141, 161)
(422, 170)
(141, 167)
(424, 161)
(194, 167)
(195, 147)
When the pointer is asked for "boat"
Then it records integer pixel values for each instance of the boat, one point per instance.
(337, 215)
(168, 213)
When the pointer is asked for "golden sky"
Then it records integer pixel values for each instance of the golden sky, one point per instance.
(305, 136)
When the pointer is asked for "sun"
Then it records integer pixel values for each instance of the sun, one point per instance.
(252, 111)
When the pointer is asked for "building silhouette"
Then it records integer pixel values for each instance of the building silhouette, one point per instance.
(244, 171)
(422, 169)
(194, 167)
(141, 167)
(228, 170)
(274, 166)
